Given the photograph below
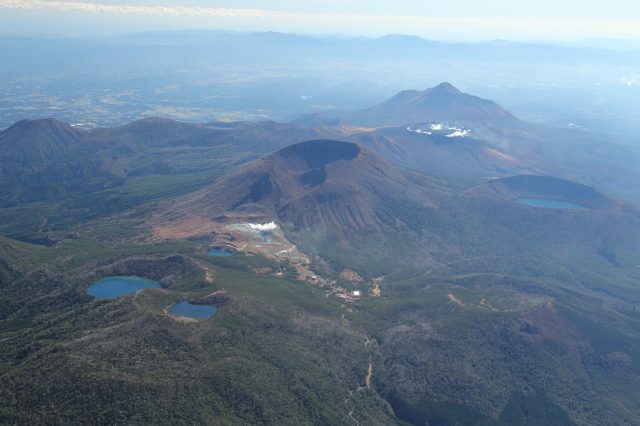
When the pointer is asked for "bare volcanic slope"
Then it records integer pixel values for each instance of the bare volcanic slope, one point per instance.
(347, 205)
(314, 184)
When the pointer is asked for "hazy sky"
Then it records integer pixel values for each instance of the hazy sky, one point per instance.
(452, 19)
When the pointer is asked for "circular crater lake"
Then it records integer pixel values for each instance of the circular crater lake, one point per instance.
(219, 253)
(550, 204)
(112, 287)
(186, 309)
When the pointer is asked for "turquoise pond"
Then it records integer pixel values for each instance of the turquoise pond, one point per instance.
(111, 287)
(550, 204)
(190, 310)
(219, 253)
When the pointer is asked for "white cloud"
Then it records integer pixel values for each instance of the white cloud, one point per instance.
(141, 10)
(418, 24)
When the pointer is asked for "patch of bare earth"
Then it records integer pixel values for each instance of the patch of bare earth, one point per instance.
(183, 229)
(452, 298)
(353, 276)
(498, 154)
(376, 291)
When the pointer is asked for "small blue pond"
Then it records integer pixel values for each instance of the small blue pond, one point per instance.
(111, 287)
(190, 310)
(219, 253)
(550, 204)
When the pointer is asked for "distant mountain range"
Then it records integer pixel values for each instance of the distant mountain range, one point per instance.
(119, 76)
(484, 141)
(45, 159)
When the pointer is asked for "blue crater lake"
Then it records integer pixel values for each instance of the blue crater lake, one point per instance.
(550, 204)
(219, 253)
(190, 310)
(111, 287)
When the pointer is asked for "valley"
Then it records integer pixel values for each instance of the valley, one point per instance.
(326, 271)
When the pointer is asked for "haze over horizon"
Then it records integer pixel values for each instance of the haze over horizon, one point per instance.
(460, 20)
